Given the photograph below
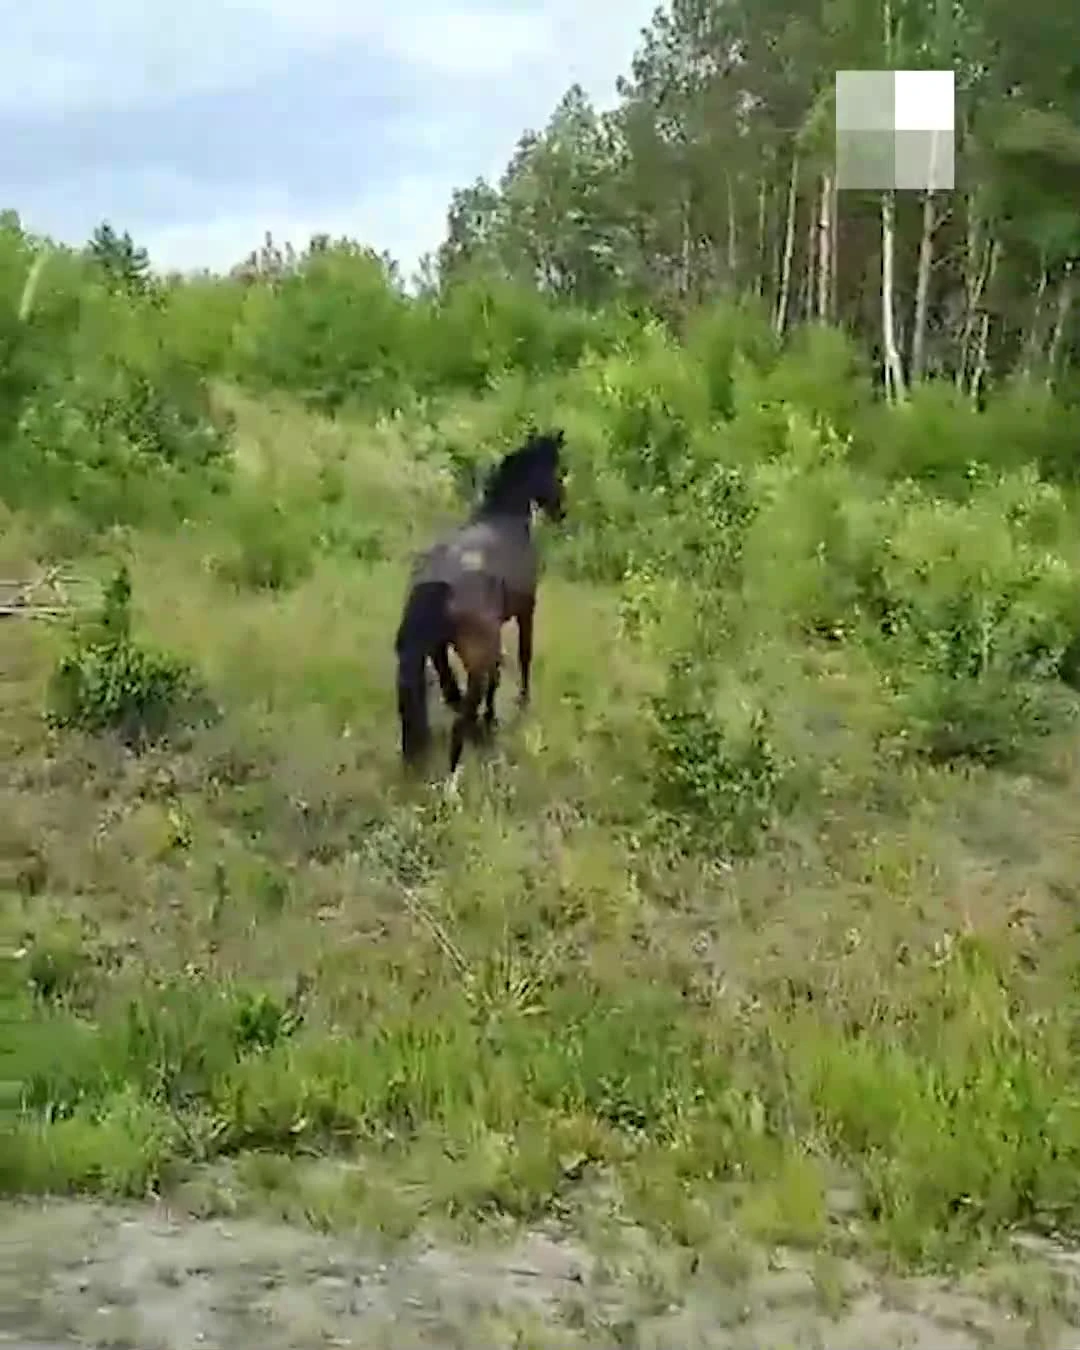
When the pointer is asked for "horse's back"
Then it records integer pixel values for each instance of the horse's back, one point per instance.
(478, 555)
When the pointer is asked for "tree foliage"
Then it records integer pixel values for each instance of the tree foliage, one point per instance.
(713, 176)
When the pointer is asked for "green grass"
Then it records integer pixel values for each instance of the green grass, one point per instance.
(234, 960)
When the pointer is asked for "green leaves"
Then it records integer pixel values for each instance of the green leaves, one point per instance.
(125, 266)
(108, 681)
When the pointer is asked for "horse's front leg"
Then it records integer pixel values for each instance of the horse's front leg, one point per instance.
(525, 617)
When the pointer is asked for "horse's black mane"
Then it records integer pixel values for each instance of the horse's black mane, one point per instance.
(541, 448)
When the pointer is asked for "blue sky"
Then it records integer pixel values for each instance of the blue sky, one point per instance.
(197, 126)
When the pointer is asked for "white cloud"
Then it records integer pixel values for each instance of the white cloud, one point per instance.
(406, 218)
(59, 56)
(63, 55)
(431, 39)
(468, 77)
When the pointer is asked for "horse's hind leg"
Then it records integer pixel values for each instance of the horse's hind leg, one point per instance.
(466, 724)
(440, 659)
(490, 720)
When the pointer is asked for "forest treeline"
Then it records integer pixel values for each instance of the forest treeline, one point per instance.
(710, 183)
(698, 215)
(714, 176)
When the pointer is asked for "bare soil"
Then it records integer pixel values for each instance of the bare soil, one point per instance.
(81, 1274)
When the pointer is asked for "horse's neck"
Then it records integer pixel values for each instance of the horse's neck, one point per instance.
(505, 520)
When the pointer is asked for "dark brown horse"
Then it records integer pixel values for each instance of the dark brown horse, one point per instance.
(462, 591)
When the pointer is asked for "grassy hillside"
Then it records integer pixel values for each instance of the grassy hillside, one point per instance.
(762, 921)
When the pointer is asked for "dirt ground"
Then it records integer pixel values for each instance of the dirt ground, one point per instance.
(77, 1274)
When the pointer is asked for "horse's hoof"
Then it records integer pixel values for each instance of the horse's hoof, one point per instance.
(452, 785)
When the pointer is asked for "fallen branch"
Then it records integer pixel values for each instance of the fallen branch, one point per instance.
(19, 596)
(19, 611)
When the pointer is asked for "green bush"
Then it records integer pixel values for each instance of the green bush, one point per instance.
(479, 330)
(270, 545)
(718, 782)
(110, 682)
(981, 619)
(725, 341)
(653, 401)
(97, 415)
(333, 332)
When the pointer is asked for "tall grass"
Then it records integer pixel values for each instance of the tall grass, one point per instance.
(776, 881)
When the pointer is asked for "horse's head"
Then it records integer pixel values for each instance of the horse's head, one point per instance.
(530, 476)
(546, 473)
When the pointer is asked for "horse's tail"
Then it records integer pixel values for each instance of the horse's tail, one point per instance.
(424, 625)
